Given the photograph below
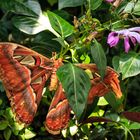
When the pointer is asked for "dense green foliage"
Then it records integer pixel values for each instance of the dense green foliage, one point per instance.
(77, 30)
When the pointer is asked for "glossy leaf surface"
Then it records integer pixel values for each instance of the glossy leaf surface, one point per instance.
(60, 25)
(129, 64)
(99, 57)
(76, 84)
(69, 3)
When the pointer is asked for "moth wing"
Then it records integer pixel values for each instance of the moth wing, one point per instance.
(19, 79)
(59, 112)
(100, 87)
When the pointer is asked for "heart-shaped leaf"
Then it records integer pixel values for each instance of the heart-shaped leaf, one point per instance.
(76, 84)
(129, 64)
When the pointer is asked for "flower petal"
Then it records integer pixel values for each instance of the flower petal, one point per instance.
(134, 29)
(124, 33)
(135, 35)
(113, 39)
(133, 40)
(109, 1)
(126, 44)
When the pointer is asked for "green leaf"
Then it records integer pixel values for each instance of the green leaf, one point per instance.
(69, 3)
(76, 84)
(98, 133)
(117, 25)
(4, 25)
(102, 101)
(60, 25)
(3, 124)
(135, 109)
(2, 112)
(134, 126)
(136, 9)
(21, 137)
(30, 8)
(85, 58)
(9, 114)
(129, 64)
(33, 25)
(73, 130)
(52, 2)
(16, 128)
(28, 25)
(115, 62)
(45, 45)
(129, 7)
(133, 8)
(0, 101)
(29, 134)
(99, 57)
(113, 116)
(7, 133)
(61, 41)
(94, 4)
(111, 99)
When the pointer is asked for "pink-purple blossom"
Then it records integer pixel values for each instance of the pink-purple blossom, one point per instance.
(109, 1)
(131, 34)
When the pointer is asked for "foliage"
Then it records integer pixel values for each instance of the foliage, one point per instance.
(77, 31)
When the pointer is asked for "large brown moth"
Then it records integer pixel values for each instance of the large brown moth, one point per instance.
(24, 73)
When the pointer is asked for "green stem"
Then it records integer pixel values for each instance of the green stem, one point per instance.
(127, 130)
(126, 92)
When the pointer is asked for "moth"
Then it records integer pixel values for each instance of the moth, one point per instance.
(24, 73)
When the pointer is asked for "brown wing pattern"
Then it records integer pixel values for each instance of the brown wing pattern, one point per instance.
(101, 87)
(59, 112)
(18, 74)
(24, 73)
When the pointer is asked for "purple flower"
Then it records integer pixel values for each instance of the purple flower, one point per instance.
(109, 1)
(131, 34)
(113, 39)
